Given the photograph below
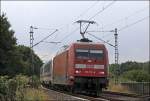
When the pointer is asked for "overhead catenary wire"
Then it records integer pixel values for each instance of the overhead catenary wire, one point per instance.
(127, 17)
(124, 27)
(69, 34)
(84, 12)
(138, 11)
(129, 25)
(131, 15)
(103, 31)
(100, 39)
(45, 38)
(54, 42)
(104, 8)
(66, 37)
(43, 28)
(110, 39)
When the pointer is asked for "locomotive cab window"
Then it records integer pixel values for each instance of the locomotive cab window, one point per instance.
(86, 54)
(96, 54)
(82, 53)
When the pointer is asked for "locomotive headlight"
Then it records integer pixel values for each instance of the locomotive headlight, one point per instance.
(80, 66)
(77, 71)
(101, 72)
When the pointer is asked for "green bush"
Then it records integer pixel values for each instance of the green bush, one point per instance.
(12, 89)
(137, 75)
(35, 81)
(22, 80)
(3, 85)
(8, 88)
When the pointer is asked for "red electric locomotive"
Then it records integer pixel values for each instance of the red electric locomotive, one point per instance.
(80, 67)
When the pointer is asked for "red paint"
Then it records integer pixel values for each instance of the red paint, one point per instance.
(90, 72)
(71, 60)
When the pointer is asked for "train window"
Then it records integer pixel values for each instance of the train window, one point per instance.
(82, 53)
(96, 54)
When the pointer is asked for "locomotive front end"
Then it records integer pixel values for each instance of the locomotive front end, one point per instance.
(90, 67)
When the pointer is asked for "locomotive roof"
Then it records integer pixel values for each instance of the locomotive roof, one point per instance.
(88, 43)
(78, 43)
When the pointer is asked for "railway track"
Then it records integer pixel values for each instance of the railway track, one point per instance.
(116, 96)
(105, 96)
(78, 97)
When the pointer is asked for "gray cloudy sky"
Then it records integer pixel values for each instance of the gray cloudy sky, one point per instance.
(61, 15)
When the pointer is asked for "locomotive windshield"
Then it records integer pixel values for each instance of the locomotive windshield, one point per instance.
(96, 54)
(88, 54)
(82, 53)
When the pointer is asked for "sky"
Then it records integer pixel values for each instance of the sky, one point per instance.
(131, 18)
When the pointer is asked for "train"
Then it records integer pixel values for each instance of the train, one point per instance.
(80, 67)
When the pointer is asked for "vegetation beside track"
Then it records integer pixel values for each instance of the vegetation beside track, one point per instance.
(124, 76)
(18, 89)
(117, 88)
(15, 60)
(130, 71)
(34, 94)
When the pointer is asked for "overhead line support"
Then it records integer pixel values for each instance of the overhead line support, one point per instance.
(31, 51)
(116, 55)
(116, 46)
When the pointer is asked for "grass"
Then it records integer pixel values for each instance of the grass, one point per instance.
(32, 94)
(117, 88)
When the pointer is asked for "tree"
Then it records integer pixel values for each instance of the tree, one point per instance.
(137, 75)
(7, 43)
(132, 71)
(24, 53)
(129, 65)
(14, 59)
(114, 69)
